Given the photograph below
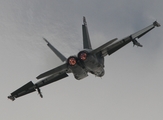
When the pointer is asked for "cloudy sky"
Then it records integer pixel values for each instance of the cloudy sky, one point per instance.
(132, 88)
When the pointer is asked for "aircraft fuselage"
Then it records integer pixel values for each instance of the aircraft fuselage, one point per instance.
(86, 63)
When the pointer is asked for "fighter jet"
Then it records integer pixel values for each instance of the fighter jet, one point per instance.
(86, 61)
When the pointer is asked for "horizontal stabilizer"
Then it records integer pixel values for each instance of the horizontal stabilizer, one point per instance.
(57, 70)
(50, 79)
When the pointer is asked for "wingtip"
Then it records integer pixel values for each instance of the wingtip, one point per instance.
(11, 98)
(156, 24)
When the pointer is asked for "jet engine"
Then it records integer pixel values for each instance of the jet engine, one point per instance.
(72, 60)
(83, 55)
(76, 68)
(92, 63)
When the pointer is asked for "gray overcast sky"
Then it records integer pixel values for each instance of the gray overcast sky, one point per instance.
(132, 88)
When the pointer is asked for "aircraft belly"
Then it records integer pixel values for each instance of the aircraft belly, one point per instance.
(94, 66)
(78, 72)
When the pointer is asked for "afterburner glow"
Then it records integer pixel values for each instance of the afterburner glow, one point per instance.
(72, 61)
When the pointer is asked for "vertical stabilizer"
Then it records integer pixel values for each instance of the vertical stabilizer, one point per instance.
(86, 39)
(62, 57)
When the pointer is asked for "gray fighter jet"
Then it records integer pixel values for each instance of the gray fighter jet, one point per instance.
(86, 61)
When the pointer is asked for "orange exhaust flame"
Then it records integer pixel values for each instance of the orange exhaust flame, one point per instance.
(72, 61)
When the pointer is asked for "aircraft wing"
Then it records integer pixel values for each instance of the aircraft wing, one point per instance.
(53, 75)
(114, 45)
(103, 48)
(30, 87)
(57, 70)
(25, 89)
